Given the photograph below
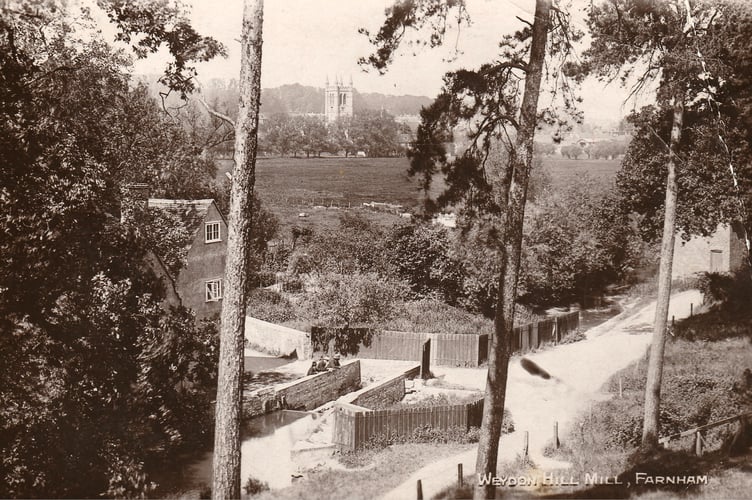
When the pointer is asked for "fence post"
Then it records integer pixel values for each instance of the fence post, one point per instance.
(420, 490)
(691, 309)
(425, 360)
(698, 443)
(557, 443)
(620, 388)
(459, 475)
(525, 449)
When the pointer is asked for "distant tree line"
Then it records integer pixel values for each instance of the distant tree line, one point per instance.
(375, 133)
(607, 150)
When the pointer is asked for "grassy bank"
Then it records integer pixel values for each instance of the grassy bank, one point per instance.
(697, 389)
(389, 469)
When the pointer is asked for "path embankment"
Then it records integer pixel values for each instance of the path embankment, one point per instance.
(578, 370)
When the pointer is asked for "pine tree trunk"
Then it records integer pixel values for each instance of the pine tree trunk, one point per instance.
(516, 190)
(651, 424)
(226, 466)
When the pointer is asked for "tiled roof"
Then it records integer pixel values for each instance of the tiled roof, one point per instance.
(191, 212)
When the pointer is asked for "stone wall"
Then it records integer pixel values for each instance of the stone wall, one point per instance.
(305, 393)
(385, 393)
(277, 340)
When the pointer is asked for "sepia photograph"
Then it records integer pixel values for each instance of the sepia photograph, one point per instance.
(376, 249)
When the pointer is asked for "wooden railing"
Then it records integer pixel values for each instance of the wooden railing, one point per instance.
(697, 432)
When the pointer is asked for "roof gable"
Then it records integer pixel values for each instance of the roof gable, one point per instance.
(191, 213)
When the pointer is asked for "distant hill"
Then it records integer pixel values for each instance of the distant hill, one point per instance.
(296, 98)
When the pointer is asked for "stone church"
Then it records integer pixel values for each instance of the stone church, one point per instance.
(338, 99)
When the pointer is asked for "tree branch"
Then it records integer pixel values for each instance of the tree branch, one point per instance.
(216, 113)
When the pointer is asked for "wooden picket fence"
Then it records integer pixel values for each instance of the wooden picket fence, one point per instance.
(458, 349)
(547, 331)
(355, 425)
(464, 350)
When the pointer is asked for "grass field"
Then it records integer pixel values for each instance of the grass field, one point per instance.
(301, 181)
(563, 171)
(289, 186)
(338, 181)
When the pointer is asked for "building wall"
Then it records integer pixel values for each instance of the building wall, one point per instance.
(276, 339)
(205, 261)
(694, 256)
(306, 393)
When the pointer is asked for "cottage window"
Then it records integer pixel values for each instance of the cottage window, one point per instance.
(213, 290)
(212, 232)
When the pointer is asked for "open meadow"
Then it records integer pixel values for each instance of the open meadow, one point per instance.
(289, 186)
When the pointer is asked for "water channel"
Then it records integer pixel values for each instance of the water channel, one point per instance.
(266, 442)
(264, 451)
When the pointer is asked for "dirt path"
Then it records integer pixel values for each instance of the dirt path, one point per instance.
(579, 371)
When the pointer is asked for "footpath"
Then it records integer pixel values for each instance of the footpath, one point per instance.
(578, 370)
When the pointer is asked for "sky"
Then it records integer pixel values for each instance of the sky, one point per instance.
(306, 41)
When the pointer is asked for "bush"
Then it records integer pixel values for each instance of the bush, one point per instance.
(266, 278)
(268, 305)
(254, 486)
(426, 434)
(572, 337)
(434, 316)
(730, 293)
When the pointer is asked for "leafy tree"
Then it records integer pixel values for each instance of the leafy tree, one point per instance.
(421, 256)
(571, 152)
(355, 245)
(607, 149)
(315, 137)
(374, 132)
(677, 43)
(150, 25)
(704, 197)
(357, 299)
(281, 135)
(489, 100)
(577, 241)
(341, 135)
(545, 148)
(88, 346)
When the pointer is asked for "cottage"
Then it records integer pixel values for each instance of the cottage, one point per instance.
(724, 251)
(199, 280)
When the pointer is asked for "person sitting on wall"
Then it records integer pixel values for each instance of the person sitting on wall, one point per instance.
(312, 369)
(321, 365)
(333, 362)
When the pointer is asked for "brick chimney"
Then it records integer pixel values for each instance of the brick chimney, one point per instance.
(134, 202)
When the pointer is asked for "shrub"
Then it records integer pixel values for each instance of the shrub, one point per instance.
(254, 486)
(426, 434)
(268, 305)
(572, 337)
(434, 316)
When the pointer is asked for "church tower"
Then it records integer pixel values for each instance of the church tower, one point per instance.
(338, 100)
